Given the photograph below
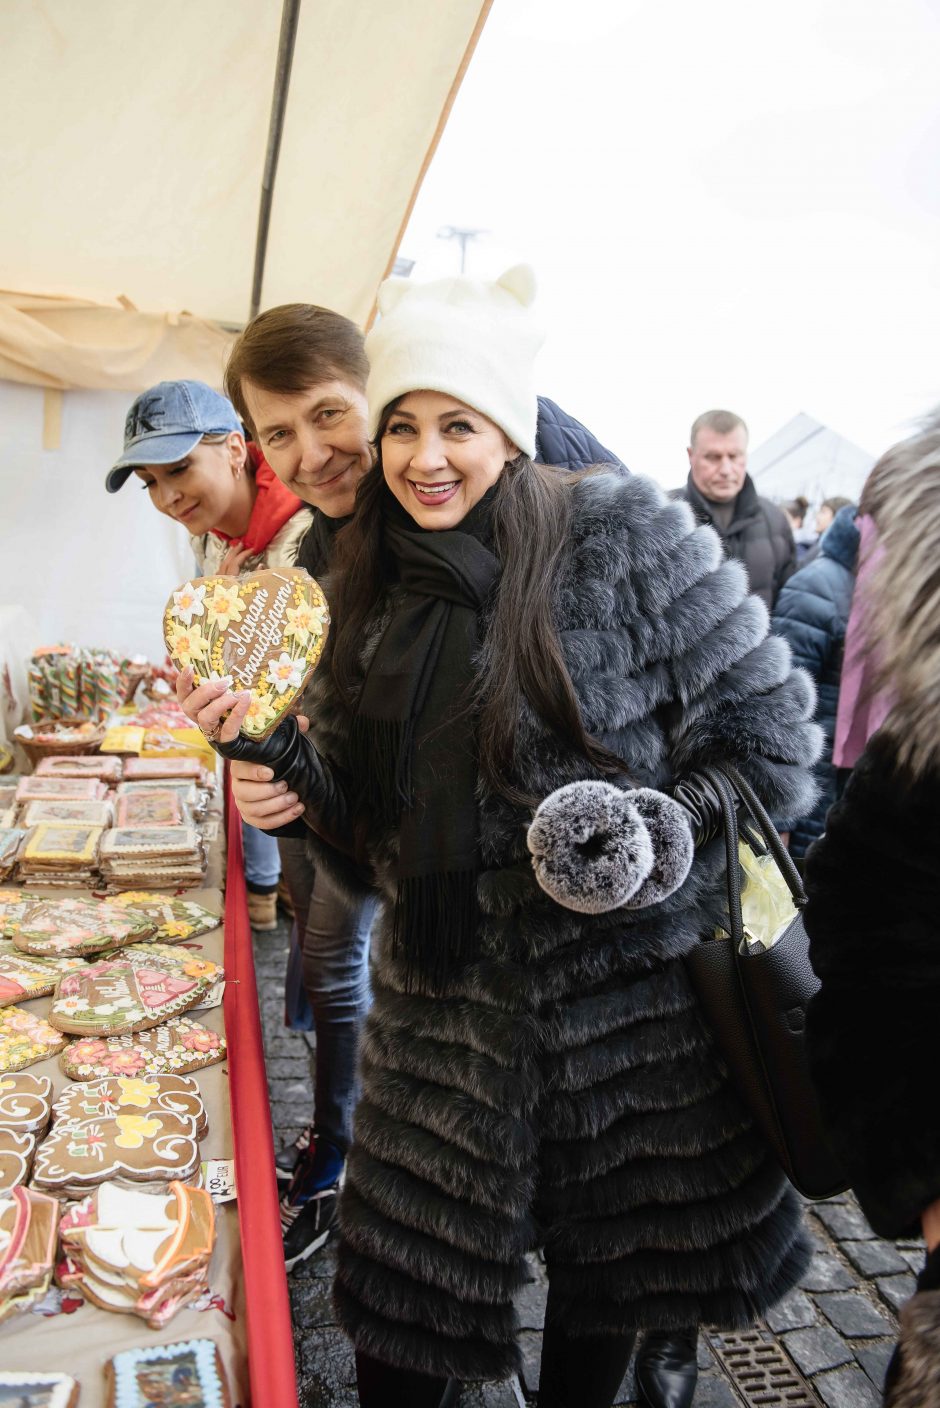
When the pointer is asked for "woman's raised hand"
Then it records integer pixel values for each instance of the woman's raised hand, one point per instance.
(209, 704)
(261, 801)
(233, 561)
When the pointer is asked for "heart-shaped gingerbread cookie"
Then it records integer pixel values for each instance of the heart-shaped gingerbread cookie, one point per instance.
(266, 630)
(118, 995)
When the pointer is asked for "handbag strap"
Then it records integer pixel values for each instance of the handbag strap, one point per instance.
(761, 818)
(731, 787)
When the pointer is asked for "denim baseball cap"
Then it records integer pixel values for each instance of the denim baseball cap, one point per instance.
(168, 421)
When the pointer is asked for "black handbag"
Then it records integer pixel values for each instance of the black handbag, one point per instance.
(755, 1003)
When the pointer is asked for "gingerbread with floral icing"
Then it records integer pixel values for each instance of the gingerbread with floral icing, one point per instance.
(26, 1039)
(266, 630)
(129, 994)
(173, 1048)
(77, 927)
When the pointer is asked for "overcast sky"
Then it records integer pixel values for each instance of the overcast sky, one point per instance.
(726, 204)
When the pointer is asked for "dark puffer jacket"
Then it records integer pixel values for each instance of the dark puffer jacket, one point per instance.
(562, 440)
(759, 535)
(564, 1092)
(812, 612)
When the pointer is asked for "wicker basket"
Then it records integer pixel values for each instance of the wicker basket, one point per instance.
(67, 747)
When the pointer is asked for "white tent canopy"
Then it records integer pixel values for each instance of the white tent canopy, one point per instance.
(137, 138)
(806, 457)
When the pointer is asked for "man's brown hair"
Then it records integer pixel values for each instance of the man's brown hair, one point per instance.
(290, 348)
(721, 422)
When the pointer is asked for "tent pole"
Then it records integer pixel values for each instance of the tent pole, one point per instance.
(290, 14)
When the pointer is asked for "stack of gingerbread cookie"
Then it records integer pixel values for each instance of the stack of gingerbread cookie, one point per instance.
(139, 1253)
(70, 928)
(152, 855)
(102, 766)
(54, 853)
(29, 1223)
(11, 843)
(25, 1109)
(141, 1131)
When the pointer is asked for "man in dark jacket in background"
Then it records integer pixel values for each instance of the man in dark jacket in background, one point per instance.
(722, 493)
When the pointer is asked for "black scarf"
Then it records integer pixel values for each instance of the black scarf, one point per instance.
(413, 738)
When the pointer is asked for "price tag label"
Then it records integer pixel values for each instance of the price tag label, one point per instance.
(218, 1178)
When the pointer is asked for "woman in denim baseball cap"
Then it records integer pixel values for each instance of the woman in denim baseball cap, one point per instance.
(184, 442)
(186, 445)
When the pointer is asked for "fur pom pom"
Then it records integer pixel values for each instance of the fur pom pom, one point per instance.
(670, 832)
(591, 851)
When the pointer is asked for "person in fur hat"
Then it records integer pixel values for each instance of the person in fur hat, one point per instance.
(873, 882)
(536, 1072)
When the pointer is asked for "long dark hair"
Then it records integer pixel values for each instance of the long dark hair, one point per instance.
(522, 656)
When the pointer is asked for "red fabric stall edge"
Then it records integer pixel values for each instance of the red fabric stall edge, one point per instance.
(267, 1304)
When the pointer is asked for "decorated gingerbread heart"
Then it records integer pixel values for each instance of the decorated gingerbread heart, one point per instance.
(121, 995)
(173, 1048)
(266, 630)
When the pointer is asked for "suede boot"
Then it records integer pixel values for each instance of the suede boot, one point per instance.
(667, 1368)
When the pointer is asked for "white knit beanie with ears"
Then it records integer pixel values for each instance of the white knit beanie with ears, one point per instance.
(472, 340)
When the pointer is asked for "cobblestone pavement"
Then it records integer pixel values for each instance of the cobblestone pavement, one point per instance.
(837, 1330)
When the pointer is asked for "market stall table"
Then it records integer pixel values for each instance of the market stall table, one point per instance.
(247, 1311)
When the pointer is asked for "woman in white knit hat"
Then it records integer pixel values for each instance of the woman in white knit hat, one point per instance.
(535, 1069)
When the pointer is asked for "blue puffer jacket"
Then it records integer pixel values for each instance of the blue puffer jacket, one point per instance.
(562, 440)
(812, 612)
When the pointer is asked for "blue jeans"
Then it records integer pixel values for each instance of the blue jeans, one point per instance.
(262, 860)
(334, 936)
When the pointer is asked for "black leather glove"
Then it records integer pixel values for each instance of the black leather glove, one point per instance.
(293, 759)
(697, 795)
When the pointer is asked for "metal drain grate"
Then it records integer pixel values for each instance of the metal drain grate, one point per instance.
(761, 1372)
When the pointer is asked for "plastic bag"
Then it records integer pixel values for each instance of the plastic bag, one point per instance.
(766, 902)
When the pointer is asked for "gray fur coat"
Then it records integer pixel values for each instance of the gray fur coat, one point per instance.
(565, 1093)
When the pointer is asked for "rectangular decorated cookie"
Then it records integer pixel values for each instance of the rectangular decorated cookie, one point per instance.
(150, 807)
(37, 1390)
(162, 1374)
(150, 841)
(68, 813)
(105, 768)
(63, 789)
(76, 845)
(136, 769)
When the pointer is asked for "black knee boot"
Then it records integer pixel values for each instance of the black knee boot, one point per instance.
(667, 1368)
(581, 1372)
(385, 1386)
